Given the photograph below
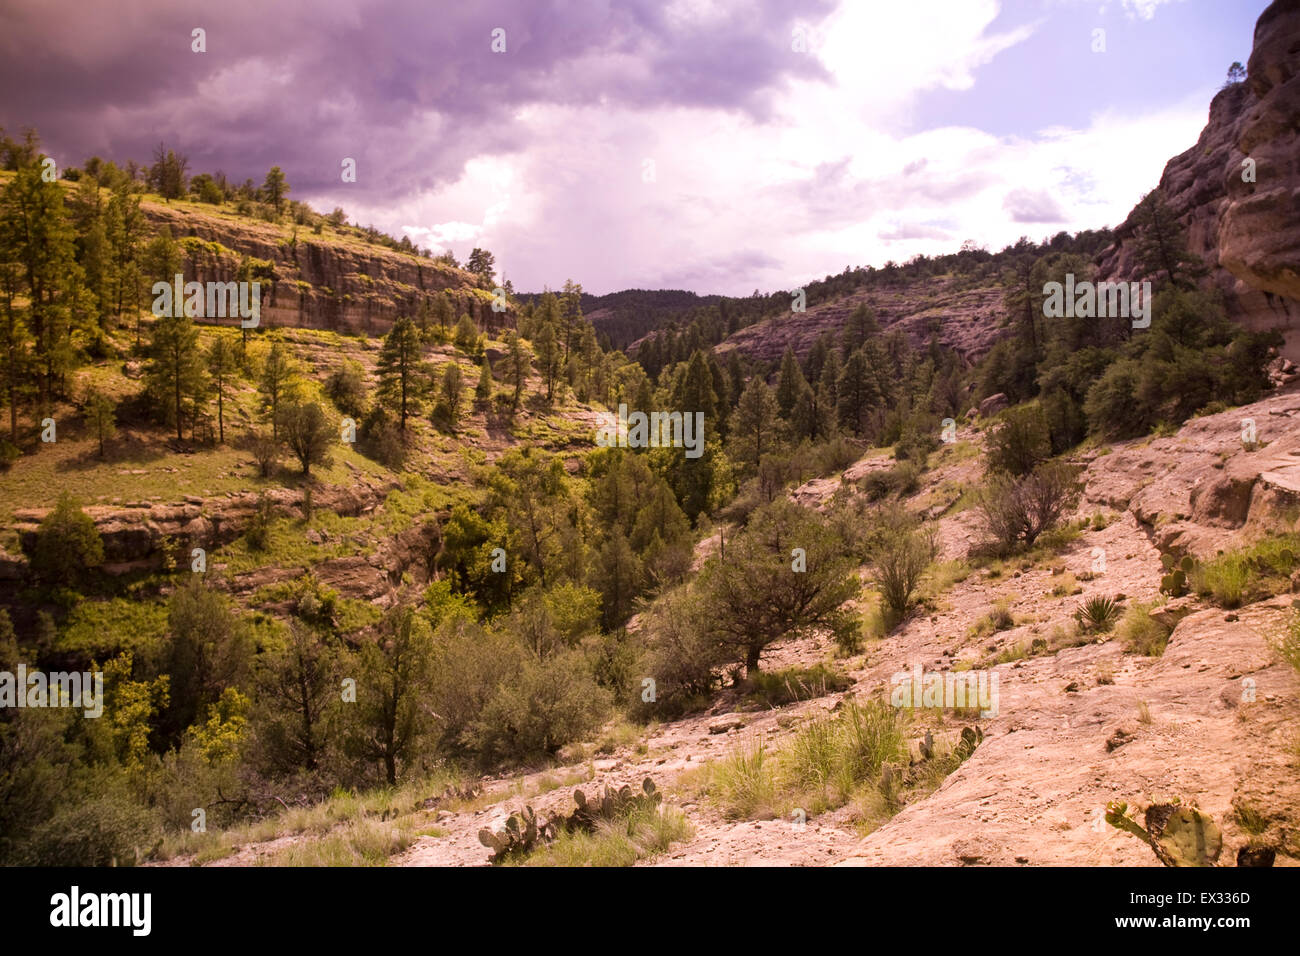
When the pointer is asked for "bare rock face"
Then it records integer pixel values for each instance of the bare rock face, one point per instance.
(142, 535)
(1248, 234)
(1223, 501)
(320, 282)
(967, 319)
(1259, 235)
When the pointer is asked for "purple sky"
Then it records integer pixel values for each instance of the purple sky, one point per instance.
(682, 144)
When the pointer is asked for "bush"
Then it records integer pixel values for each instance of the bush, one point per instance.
(104, 830)
(681, 656)
(266, 450)
(1113, 407)
(67, 545)
(902, 479)
(901, 556)
(381, 439)
(346, 388)
(258, 532)
(1014, 512)
(1020, 441)
(551, 702)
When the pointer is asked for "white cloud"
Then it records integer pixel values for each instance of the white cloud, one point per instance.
(836, 176)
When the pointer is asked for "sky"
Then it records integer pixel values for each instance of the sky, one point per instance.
(710, 145)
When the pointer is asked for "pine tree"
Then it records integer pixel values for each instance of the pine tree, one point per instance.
(175, 373)
(101, 417)
(753, 429)
(222, 362)
(790, 384)
(451, 393)
(548, 357)
(517, 363)
(275, 384)
(1162, 242)
(483, 390)
(856, 394)
(401, 375)
(275, 188)
(861, 327)
(123, 226)
(39, 241)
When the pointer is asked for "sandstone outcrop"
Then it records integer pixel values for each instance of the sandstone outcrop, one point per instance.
(1247, 233)
(320, 282)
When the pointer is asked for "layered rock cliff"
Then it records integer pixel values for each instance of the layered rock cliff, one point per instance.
(331, 281)
(1247, 233)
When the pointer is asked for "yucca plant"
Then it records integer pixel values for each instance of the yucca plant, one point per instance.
(1098, 613)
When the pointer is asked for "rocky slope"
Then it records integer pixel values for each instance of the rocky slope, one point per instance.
(965, 315)
(1247, 233)
(1212, 721)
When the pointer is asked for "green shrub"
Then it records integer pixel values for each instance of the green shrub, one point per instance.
(901, 556)
(68, 545)
(549, 703)
(105, 830)
(1019, 441)
(902, 479)
(1015, 512)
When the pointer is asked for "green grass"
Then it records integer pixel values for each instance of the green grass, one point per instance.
(361, 842)
(1247, 574)
(1288, 644)
(345, 829)
(287, 547)
(1141, 633)
(822, 766)
(999, 618)
(745, 783)
(777, 688)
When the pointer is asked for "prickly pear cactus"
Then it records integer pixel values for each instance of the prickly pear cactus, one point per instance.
(1183, 836)
(612, 805)
(524, 831)
(970, 739)
(1174, 583)
(1178, 835)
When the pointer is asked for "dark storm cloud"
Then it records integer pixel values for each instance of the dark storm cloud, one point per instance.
(409, 89)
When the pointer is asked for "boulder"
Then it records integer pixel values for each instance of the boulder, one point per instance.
(1222, 501)
(993, 404)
